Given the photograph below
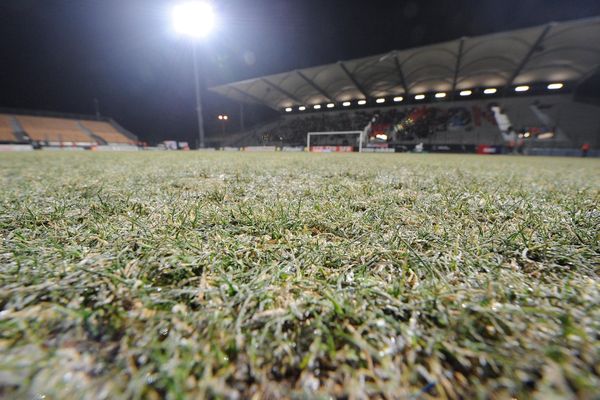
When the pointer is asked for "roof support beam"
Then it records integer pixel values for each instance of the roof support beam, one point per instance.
(282, 91)
(461, 45)
(248, 95)
(530, 53)
(315, 86)
(353, 79)
(400, 74)
(586, 76)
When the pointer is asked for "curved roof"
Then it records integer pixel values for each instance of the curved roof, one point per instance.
(558, 51)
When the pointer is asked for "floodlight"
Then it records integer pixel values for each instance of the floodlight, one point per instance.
(193, 18)
(527, 134)
(466, 93)
(330, 105)
(288, 109)
(440, 95)
(419, 97)
(555, 86)
(362, 102)
(225, 117)
(346, 104)
(301, 108)
(490, 91)
(523, 88)
(220, 117)
(380, 100)
(317, 106)
(398, 99)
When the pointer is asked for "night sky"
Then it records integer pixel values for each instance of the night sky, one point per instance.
(58, 55)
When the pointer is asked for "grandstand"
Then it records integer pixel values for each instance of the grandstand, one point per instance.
(106, 132)
(50, 130)
(54, 130)
(449, 124)
(442, 95)
(6, 129)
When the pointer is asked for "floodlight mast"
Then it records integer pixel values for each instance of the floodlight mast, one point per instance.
(198, 99)
(195, 19)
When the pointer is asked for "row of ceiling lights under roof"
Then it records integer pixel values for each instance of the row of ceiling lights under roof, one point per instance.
(439, 95)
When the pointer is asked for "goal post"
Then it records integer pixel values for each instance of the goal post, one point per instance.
(331, 133)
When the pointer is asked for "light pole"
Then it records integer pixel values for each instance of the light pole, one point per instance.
(195, 19)
(198, 99)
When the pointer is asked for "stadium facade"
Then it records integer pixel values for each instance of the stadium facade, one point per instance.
(518, 89)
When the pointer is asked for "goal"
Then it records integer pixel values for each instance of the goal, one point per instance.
(322, 141)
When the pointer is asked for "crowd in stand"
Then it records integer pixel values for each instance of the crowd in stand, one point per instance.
(389, 125)
(292, 130)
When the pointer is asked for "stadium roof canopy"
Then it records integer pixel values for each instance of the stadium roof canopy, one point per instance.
(556, 52)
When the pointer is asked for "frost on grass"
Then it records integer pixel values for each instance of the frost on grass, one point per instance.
(298, 275)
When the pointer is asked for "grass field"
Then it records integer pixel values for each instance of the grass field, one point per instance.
(237, 275)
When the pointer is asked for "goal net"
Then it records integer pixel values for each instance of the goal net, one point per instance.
(335, 141)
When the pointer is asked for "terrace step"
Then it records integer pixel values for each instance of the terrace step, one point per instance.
(97, 138)
(18, 130)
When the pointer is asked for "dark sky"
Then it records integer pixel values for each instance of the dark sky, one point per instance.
(59, 55)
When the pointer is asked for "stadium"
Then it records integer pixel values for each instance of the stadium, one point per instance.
(419, 220)
(442, 95)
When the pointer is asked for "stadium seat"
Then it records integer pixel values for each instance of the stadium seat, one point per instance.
(45, 129)
(6, 130)
(107, 132)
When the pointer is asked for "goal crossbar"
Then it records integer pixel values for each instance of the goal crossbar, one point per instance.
(360, 137)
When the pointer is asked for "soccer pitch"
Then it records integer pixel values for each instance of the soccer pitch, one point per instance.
(237, 275)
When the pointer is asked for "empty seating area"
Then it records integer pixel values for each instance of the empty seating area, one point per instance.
(6, 131)
(106, 132)
(45, 129)
(52, 130)
(41, 130)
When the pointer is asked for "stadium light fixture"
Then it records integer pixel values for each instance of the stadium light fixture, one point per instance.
(380, 100)
(490, 91)
(555, 86)
(330, 105)
(398, 99)
(440, 95)
(464, 93)
(522, 88)
(223, 118)
(346, 104)
(288, 109)
(419, 97)
(301, 108)
(527, 134)
(362, 102)
(195, 19)
(317, 106)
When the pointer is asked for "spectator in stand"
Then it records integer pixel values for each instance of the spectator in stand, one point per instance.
(510, 137)
(585, 148)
